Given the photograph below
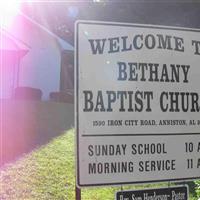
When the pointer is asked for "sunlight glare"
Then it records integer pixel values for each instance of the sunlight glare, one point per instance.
(8, 10)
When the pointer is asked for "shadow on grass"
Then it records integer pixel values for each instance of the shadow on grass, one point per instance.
(26, 125)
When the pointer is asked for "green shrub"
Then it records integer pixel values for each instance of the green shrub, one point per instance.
(198, 188)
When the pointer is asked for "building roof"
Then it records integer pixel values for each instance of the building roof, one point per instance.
(10, 42)
(20, 44)
(64, 44)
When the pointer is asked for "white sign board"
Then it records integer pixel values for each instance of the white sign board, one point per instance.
(137, 103)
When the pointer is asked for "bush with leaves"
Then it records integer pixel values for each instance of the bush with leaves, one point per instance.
(198, 188)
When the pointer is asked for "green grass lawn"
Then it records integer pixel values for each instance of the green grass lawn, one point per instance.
(49, 173)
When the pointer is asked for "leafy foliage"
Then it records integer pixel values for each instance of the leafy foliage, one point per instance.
(198, 189)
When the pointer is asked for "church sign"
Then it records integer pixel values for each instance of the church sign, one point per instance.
(137, 103)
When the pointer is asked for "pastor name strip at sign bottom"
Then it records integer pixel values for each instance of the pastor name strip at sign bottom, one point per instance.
(137, 103)
(170, 193)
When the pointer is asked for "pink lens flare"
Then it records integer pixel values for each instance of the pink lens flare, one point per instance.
(8, 10)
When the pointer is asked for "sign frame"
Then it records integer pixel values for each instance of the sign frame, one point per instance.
(77, 103)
